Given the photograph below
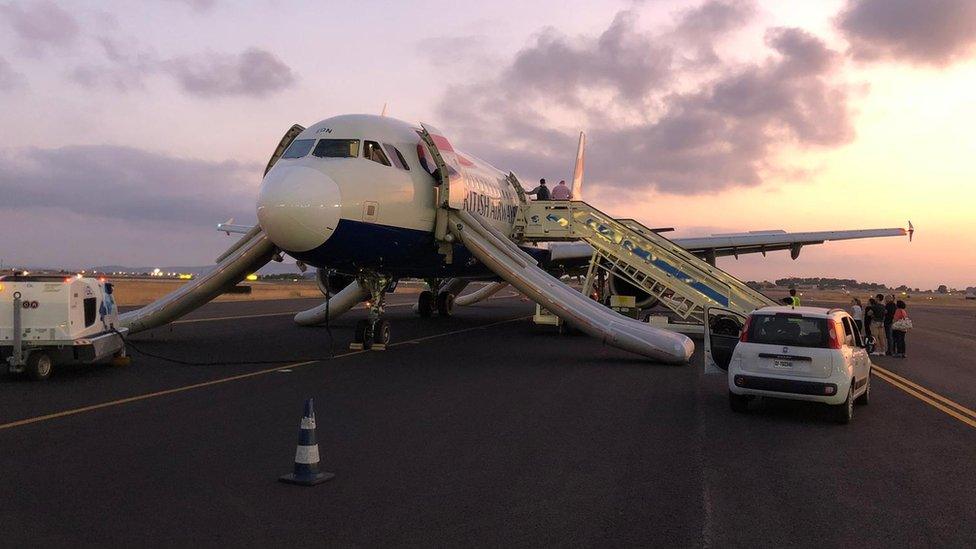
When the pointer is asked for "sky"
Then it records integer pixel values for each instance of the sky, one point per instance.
(130, 129)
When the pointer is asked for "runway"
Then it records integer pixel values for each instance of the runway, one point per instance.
(481, 429)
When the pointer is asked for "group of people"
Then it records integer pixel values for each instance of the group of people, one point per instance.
(542, 192)
(885, 322)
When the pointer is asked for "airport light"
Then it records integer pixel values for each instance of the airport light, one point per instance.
(252, 277)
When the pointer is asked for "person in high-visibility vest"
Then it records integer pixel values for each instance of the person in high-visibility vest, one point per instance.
(796, 300)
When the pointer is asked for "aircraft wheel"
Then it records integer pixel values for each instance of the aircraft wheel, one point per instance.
(445, 304)
(362, 331)
(39, 366)
(425, 304)
(381, 332)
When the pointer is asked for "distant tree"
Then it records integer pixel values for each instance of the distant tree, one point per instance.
(943, 289)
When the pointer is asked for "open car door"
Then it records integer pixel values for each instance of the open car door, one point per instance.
(723, 328)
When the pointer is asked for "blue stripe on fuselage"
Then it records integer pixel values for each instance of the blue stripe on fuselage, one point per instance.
(397, 251)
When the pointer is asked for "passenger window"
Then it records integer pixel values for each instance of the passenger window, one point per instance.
(372, 151)
(396, 157)
(298, 148)
(337, 148)
(848, 332)
(857, 334)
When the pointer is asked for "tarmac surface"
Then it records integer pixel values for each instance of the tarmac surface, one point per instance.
(481, 429)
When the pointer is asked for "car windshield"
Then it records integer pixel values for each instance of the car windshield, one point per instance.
(337, 148)
(298, 148)
(788, 329)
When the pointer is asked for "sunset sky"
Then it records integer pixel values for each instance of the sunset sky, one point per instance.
(129, 132)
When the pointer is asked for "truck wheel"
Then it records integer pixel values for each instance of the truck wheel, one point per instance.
(39, 366)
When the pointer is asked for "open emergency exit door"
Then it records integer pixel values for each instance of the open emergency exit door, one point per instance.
(723, 328)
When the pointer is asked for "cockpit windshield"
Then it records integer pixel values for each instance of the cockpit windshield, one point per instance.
(337, 148)
(298, 148)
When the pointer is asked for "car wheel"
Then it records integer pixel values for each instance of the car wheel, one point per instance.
(39, 366)
(844, 412)
(738, 403)
(865, 397)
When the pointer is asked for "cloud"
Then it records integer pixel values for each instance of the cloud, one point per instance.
(127, 69)
(40, 26)
(621, 59)
(701, 26)
(9, 78)
(921, 32)
(254, 73)
(129, 184)
(655, 121)
(198, 5)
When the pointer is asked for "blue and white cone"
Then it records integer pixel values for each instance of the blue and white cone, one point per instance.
(307, 455)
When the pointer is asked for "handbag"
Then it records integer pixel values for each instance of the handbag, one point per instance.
(902, 325)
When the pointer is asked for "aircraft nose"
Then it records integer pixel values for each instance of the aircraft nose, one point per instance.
(298, 207)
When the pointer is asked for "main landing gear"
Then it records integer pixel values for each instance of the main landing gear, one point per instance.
(373, 332)
(435, 299)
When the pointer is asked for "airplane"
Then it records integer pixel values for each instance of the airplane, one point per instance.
(367, 200)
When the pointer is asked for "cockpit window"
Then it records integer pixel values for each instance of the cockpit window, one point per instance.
(298, 148)
(337, 148)
(396, 157)
(372, 151)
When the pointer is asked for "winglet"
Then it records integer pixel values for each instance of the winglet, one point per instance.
(911, 230)
(383, 112)
(578, 171)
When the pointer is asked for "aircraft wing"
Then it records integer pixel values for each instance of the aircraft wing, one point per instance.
(736, 244)
(767, 241)
(232, 228)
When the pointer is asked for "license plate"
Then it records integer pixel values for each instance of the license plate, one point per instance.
(783, 363)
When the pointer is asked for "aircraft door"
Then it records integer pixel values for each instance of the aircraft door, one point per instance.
(723, 328)
(453, 190)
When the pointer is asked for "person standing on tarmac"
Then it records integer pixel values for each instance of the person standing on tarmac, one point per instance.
(889, 319)
(878, 327)
(541, 192)
(796, 300)
(857, 311)
(561, 192)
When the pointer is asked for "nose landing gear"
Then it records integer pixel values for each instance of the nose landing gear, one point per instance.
(373, 332)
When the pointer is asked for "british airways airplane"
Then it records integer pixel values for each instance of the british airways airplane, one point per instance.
(361, 198)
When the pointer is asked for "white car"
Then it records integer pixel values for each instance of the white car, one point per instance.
(801, 353)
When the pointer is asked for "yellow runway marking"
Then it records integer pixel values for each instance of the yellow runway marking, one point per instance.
(933, 399)
(238, 377)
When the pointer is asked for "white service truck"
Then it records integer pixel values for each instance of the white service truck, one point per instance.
(51, 320)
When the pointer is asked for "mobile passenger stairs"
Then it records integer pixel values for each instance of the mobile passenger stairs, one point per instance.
(690, 287)
(695, 291)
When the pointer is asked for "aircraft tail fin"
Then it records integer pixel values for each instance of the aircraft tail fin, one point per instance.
(383, 112)
(578, 171)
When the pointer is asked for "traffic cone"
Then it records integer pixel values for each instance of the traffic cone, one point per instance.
(307, 455)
